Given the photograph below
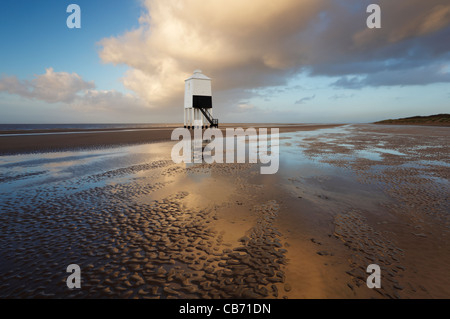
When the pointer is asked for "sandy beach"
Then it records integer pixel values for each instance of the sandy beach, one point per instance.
(141, 226)
(28, 141)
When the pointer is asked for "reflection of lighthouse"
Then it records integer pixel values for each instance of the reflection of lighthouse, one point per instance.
(198, 102)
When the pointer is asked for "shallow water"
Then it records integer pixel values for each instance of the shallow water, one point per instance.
(141, 226)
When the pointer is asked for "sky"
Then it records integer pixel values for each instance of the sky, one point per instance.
(287, 61)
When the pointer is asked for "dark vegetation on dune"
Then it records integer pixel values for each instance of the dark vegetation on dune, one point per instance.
(437, 119)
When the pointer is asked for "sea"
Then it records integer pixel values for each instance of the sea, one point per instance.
(20, 127)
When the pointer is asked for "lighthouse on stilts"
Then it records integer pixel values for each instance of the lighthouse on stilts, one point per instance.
(198, 102)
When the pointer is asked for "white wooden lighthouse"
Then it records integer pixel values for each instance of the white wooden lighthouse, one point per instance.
(198, 102)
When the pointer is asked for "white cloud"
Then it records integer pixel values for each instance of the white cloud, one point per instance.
(50, 87)
(341, 96)
(70, 89)
(305, 99)
(245, 106)
(237, 43)
(252, 44)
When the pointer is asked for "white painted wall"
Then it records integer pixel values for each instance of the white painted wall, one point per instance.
(197, 84)
(188, 95)
(201, 87)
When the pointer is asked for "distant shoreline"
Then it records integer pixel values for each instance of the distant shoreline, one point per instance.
(421, 124)
(431, 120)
(32, 141)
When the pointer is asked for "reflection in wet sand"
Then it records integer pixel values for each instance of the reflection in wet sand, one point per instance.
(141, 226)
(405, 229)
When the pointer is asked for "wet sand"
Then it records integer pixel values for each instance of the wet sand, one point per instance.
(28, 141)
(141, 226)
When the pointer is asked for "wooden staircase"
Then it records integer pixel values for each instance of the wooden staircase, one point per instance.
(212, 121)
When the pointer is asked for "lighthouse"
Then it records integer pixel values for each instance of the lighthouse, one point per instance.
(198, 102)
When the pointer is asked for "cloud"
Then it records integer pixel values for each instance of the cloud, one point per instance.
(110, 101)
(240, 109)
(305, 99)
(51, 86)
(430, 74)
(70, 89)
(240, 44)
(245, 45)
(341, 96)
(245, 106)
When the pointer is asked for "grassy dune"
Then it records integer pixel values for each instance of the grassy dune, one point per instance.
(437, 119)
